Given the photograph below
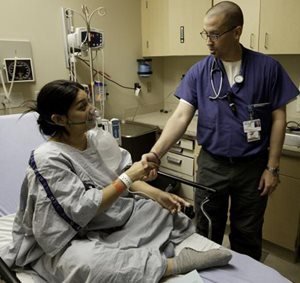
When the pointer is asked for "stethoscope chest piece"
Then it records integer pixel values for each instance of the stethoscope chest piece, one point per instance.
(238, 79)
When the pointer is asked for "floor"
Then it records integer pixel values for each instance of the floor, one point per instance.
(280, 259)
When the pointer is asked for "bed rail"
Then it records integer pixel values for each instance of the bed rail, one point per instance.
(6, 274)
(190, 212)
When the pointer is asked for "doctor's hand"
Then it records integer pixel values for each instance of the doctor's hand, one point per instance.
(151, 157)
(140, 170)
(171, 202)
(268, 183)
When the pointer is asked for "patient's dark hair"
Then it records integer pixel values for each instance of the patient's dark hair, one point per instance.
(55, 97)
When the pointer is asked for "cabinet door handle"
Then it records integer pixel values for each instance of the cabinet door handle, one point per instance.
(178, 143)
(174, 160)
(266, 40)
(181, 34)
(252, 40)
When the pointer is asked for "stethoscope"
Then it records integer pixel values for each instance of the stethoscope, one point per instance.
(214, 69)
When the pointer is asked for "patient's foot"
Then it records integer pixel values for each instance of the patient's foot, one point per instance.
(189, 259)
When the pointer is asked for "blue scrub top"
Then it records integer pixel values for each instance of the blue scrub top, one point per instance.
(266, 85)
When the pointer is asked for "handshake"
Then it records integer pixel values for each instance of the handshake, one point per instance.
(146, 169)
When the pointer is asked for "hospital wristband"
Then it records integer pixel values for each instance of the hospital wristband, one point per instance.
(119, 186)
(126, 180)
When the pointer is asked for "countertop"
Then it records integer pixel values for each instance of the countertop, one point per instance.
(159, 119)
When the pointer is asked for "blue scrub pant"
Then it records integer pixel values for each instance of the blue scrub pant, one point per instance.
(236, 182)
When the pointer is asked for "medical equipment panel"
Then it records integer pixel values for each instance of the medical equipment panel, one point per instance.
(79, 39)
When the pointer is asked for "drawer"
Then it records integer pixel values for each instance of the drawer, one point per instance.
(182, 151)
(179, 163)
(186, 144)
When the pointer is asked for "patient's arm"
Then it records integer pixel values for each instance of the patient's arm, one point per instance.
(112, 192)
(169, 201)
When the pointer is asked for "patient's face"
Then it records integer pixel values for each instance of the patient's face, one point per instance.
(80, 114)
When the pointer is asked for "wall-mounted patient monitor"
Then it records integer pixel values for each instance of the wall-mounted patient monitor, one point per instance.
(79, 38)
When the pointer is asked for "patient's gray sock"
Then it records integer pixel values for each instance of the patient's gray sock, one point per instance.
(189, 259)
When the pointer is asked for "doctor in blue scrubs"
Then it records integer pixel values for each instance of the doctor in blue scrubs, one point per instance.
(241, 98)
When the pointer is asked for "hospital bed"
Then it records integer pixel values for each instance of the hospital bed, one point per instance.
(19, 135)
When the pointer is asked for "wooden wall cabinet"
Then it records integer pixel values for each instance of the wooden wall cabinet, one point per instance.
(172, 27)
(282, 217)
(270, 26)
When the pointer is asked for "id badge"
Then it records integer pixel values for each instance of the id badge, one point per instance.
(252, 129)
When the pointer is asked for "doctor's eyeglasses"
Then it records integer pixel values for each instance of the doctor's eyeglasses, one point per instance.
(214, 36)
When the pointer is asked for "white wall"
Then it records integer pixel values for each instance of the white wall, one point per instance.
(40, 21)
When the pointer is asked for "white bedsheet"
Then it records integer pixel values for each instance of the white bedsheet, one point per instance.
(240, 269)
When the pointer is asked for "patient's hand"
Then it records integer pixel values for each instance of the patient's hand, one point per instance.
(140, 170)
(150, 157)
(171, 202)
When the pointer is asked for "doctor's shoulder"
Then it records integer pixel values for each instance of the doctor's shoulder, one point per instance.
(200, 68)
(264, 60)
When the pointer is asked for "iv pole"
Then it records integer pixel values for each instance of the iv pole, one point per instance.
(88, 18)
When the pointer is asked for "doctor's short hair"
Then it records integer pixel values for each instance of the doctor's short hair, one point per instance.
(55, 97)
(233, 14)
